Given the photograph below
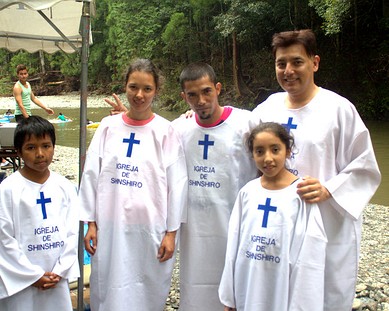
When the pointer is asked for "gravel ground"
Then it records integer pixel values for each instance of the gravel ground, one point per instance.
(70, 100)
(372, 292)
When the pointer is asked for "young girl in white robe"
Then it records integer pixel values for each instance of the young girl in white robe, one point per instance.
(276, 242)
(39, 224)
(133, 191)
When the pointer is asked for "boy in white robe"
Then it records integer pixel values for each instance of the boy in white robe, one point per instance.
(276, 242)
(38, 226)
(333, 151)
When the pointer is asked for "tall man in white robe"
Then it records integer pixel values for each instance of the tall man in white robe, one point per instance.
(218, 166)
(334, 153)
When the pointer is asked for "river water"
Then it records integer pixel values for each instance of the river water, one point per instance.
(68, 135)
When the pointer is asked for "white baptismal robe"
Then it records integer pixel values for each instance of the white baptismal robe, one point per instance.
(39, 233)
(275, 252)
(218, 166)
(134, 186)
(333, 145)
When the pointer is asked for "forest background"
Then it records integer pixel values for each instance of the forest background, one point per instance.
(234, 36)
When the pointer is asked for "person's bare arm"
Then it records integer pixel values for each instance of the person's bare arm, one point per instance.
(40, 104)
(17, 92)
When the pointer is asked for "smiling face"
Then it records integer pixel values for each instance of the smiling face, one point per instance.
(140, 91)
(202, 97)
(270, 154)
(295, 71)
(37, 154)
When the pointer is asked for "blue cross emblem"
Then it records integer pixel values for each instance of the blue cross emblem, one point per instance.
(131, 141)
(206, 143)
(266, 209)
(43, 202)
(289, 126)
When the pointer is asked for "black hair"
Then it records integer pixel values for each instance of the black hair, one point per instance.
(33, 125)
(195, 71)
(272, 127)
(145, 65)
(305, 37)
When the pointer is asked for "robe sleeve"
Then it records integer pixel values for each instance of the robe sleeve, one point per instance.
(226, 287)
(358, 174)
(16, 270)
(67, 264)
(89, 179)
(306, 281)
(177, 178)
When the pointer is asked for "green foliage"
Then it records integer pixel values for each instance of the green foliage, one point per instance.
(175, 34)
(352, 37)
(134, 31)
(30, 60)
(333, 12)
(202, 8)
(68, 64)
(241, 16)
(5, 86)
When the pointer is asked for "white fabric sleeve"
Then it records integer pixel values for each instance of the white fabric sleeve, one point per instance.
(226, 287)
(67, 264)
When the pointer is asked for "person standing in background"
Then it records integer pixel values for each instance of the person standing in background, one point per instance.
(24, 96)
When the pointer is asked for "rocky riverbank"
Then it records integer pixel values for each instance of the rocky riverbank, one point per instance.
(372, 292)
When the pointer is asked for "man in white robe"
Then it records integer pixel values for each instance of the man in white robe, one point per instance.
(39, 233)
(218, 166)
(275, 253)
(134, 187)
(334, 152)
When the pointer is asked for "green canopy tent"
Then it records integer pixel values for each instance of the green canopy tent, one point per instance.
(50, 26)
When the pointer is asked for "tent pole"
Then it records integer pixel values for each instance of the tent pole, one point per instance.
(85, 34)
(57, 29)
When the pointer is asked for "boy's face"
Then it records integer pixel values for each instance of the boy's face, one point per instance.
(202, 97)
(23, 75)
(37, 154)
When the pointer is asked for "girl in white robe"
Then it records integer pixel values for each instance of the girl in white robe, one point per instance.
(38, 226)
(276, 242)
(133, 190)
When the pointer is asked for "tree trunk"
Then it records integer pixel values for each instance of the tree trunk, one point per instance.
(42, 60)
(385, 8)
(356, 43)
(235, 67)
(240, 86)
